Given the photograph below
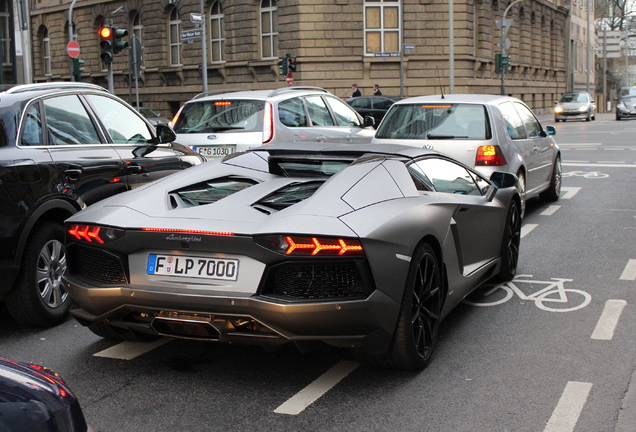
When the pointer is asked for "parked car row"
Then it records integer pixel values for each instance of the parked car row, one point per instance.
(297, 212)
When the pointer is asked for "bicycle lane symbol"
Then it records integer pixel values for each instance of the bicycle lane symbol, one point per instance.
(552, 298)
(585, 174)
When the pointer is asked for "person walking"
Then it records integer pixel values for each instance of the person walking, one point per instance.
(356, 91)
(376, 90)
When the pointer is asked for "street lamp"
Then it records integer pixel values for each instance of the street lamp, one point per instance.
(503, 46)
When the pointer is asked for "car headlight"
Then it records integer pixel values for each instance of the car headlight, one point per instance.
(620, 105)
(558, 109)
(583, 108)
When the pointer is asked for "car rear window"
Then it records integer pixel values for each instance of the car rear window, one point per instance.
(209, 191)
(221, 116)
(435, 121)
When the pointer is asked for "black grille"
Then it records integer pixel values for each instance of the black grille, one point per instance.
(96, 265)
(322, 281)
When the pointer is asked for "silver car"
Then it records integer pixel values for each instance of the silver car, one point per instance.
(220, 123)
(575, 105)
(488, 132)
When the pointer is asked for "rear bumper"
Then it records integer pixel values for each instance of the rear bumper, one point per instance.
(254, 319)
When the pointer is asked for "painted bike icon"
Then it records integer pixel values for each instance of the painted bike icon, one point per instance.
(554, 297)
(586, 174)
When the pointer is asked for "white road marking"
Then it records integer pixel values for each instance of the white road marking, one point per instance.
(629, 273)
(131, 350)
(527, 228)
(579, 144)
(568, 410)
(609, 320)
(316, 389)
(569, 192)
(601, 165)
(550, 210)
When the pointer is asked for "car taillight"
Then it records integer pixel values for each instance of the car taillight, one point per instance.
(268, 123)
(490, 155)
(311, 245)
(94, 233)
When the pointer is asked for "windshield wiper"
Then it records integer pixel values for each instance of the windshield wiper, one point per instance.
(434, 136)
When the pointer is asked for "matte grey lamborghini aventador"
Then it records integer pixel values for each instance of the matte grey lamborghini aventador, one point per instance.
(357, 246)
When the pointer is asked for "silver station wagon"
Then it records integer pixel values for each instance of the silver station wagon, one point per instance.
(488, 132)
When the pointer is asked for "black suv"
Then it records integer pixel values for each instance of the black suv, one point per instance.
(64, 146)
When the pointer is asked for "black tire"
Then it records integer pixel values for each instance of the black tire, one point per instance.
(618, 117)
(510, 243)
(39, 297)
(554, 191)
(556, 120)
(108, 331)
(588, 118)
(418, 323)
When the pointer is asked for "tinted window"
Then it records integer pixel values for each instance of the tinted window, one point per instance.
(221, 115)
(382, 103)
(513, 122)
(435, 121)
(32, 130)
(574, 97)
(122, 123)
(318, 112)
(532, 125)
(360, 102)
(68, 122)
(292, 113)
(345, 116)
(447, 176)
(212, 190)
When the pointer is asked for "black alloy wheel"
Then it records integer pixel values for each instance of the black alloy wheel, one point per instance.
(510, 244)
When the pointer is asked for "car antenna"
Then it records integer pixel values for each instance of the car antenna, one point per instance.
(441, 87)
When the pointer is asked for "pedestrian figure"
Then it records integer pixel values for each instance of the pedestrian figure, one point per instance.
(376, 90)
(356, 91)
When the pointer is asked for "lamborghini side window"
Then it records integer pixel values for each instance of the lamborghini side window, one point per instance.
(448, 177)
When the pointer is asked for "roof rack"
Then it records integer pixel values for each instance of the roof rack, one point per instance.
(297, 88)
(213, 92)
(54, 85)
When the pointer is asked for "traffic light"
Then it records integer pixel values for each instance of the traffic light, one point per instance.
(282, 67)
(502, 63)
(106, 44)
(78, 68)
(118, 44)
(291, 64)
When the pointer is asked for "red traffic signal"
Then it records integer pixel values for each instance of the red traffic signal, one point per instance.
(105, 32)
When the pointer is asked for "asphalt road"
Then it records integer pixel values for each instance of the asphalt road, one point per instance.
(536, 362)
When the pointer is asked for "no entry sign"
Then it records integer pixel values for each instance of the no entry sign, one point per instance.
(73, 49)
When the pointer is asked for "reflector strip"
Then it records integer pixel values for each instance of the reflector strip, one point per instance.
(217, 233)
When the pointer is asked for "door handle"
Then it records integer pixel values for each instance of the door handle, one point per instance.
(73, 173)
(134, 169)
(321, 138)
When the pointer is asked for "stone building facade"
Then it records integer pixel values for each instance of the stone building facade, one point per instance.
(335, 42)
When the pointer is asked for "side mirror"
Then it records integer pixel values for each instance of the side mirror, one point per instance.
(550, 130)
(369, 121)
(503, 179)
(165, 134)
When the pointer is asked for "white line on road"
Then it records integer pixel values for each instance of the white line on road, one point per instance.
(609, 320)
(316, 389)
(527, 228)
(568, 410)
(579, 144)
(601, 165)
(131, 350)
(569, 192)
(629, 273)
(550, 210)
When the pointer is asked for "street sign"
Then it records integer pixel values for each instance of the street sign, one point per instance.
(506, 25)
(386, 54)
(506, 44)
(73, 49)
(289, 79)
(612, 55)
(612, 48)
(135, 57)
(191, 34)
(612, 34)
(196, 18)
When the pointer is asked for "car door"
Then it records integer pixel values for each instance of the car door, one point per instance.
(132, 139)
(541, 156)
(90, 169)
(476, 221)
(349, 124)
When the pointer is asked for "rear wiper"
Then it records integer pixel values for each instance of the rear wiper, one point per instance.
(434, 136)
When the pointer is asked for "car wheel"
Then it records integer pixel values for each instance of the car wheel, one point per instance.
(522, 191)
(116, 333)
(510, 243)
(39, 297)
(588, 118)
(554, 190)
(416, 333)
(618, 117)
(556, 120)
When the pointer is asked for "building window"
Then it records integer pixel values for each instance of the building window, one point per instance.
(138, 28)
(269, 30)
(46, 52)
(5, 38)
(174, 35)
(217, 40)
(381, 26)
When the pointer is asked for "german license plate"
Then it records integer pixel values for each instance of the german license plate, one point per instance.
(196, 267)
(214, 151)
